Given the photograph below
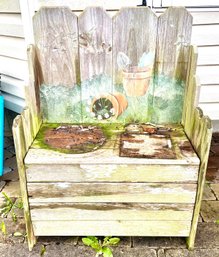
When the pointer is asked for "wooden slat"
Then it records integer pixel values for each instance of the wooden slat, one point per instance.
(32, 91)
(131, 38)
(208, 74)
(191, 86)
(205, 35)
(112, 211)
(95, 40)
(209, 94)
(27, 127)
(13, 67)
(116, 228)
(9, 6)
(81, 5)
(13, 47)
(208, 55)
(56, 39)
(174, 36)
(111, 173)
(111, 192)
(11, 25)
(20, 147)
(201, 140)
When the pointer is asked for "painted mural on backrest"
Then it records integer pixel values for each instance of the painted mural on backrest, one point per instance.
(128, 68)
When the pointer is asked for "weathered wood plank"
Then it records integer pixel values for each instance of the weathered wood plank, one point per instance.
(56, 39)
(95, 43)
(191, 86)
(174, 36)
(108, 155)
(32, 91)
(132, 39)
(27, 127)
(116, 228)
(201, 139)
(112, 192)
(112, 173)
(20, 147)
(112, 211)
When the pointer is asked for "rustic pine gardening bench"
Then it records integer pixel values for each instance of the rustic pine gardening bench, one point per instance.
(111, 143)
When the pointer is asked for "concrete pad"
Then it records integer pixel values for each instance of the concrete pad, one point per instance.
(159, 242)
(11, 176)
(210, 211)
(195, 253)
(207, 236)
(133, 252)
(215, 188)
(19, 250)
(12, 189)
(208, 194)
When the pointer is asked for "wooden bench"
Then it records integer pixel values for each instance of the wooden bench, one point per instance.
(111, 143)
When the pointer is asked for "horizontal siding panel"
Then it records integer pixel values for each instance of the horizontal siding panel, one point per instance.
(209, 93)
(189, 3)
(13, 86)
(10, 6)
(205, 17)
(13, 47)
(81, 5)
(11, 25)
(13, 103)
(205, 35)
(208, 55)
(211, 109)
(208, 74)
(13, 67)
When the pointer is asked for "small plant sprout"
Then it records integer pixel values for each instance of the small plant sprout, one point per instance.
(9, 206)
(101, 246)
(3, 228)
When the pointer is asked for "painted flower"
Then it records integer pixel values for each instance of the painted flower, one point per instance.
(106, 115)
(99, 117)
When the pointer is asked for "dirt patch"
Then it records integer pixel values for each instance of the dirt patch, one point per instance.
(77, 138)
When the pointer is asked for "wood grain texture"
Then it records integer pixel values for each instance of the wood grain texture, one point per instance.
(116, 228)
(174, 36)
(112, 173)
(110, 211)
(32, 91)
(184, 156)
(134, 32)
(21, 149)
(95, 43)
(201, 140)
(191, 87)
(112, 192)
(56, 39)
(27, 127)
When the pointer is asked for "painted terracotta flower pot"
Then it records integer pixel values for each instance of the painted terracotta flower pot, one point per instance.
(136, 80)
(108, 105)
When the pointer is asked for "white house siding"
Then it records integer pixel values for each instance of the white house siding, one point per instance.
(13, 64)
(205, 36)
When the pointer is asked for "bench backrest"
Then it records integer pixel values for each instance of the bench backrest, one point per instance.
(132, 67)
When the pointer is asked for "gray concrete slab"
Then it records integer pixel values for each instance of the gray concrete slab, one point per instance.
(210, 211)
(208, 193)
(215, 188)
(207, 236)
(194, 253)
(159, 242)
